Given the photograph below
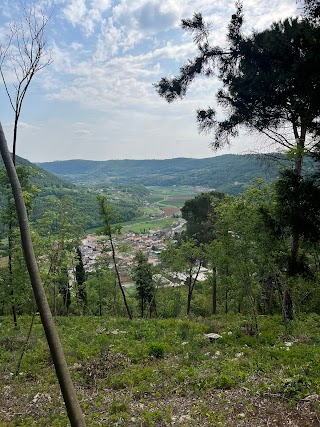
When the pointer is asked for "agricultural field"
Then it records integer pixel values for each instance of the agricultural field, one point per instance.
(171, 196)
(164, 201)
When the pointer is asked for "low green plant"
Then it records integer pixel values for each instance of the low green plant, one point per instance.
(155, 418)
(156, 350)
(118, 406)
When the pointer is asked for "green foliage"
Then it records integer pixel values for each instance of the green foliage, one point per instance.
(200, 215)
(156, 350)
(142, 274)
(127, 384)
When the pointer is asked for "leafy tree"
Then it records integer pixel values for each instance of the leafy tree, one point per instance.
(245, 253)
(269, 81)
(185, 258)
(101, 292)
(295, 210)
(73, 408)
(200, 215)
(64, 289)
(10, 222)
(143, 276)
(59, 231)
(270, 85)
(311, 10)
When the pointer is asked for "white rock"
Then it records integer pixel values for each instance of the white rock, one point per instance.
(212, 336)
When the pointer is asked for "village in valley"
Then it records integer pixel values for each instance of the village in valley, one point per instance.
(94, 248)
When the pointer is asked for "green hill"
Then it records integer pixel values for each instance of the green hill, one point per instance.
(127, 198)
(228, 173)
(52, 187)
(42, 177)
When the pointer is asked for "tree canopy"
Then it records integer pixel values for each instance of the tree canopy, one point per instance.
(270, 81)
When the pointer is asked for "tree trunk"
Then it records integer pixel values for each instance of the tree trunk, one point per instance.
(118, 277)
(214, 290)
(287, 312)
(295, 239)
(100, 301)
(13, 304)
(189, 298)
(191, 285)
(226, 308)
(72, 405)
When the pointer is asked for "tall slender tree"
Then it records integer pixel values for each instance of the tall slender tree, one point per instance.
(25, 65)
(80, 279)
(72, 405)
(109, 217)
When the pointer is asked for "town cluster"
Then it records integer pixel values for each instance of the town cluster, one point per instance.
(127, 245)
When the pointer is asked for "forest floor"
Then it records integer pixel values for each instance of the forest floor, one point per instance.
(166, 372)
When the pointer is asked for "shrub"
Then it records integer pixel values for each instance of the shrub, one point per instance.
(156, 350)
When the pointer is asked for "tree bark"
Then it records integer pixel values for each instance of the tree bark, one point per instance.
(295, 238)
(68, 392)
(118, 277)
(214, 290)
(226, 308)
(191, 284)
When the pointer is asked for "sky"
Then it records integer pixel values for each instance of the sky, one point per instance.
(96, 99)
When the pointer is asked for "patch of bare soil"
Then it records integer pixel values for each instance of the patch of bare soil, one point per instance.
(231, 408)
(169, 211)
(235, 408)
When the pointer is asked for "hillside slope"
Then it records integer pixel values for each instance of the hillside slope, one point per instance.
(228, 173)
(53, 188)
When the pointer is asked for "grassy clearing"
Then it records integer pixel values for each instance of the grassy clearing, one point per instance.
(160, 193)
(3, 261)
(144, 226)
(156, 372)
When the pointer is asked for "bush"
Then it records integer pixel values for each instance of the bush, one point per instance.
(156, 350)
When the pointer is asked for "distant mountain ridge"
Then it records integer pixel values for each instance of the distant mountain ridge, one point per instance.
(228, 173)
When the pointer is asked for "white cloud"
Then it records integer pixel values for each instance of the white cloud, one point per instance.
(81, 132)
(75, 11)
(101, 5)
(86, 16)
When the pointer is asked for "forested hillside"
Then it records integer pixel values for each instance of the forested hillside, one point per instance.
(228, 173)
(51, 188)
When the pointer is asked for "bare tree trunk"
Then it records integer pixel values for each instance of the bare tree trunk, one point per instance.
(214, 290)
(295, 239)
(72, 405)
(287, 312)
(226, 308)
(191, 286)
(118, 277)
(13, 304)
(100, 301)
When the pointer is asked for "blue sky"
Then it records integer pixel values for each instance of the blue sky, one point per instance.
(96, 100)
